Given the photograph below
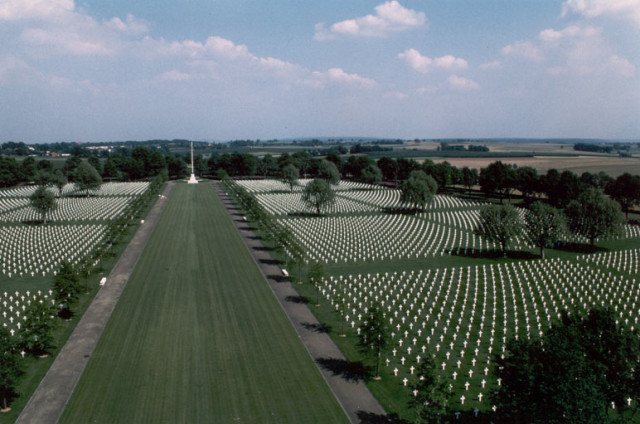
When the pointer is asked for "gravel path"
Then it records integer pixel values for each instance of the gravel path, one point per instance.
(50, 398)
(352, 393)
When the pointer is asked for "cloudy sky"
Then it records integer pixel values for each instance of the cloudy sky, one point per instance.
(89, 70)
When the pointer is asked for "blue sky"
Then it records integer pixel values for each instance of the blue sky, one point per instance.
(90, 70)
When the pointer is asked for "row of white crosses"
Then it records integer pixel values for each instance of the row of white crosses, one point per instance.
(271, 185)
(13, 306)
(625, 261)
(8, 204)
(390, 198)
(337, 239)
(288, 203)
(74, 209)
(106, 189)
(29, 251)
(464, 316)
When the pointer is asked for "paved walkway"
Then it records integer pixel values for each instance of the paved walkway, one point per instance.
(352, 393)
(50, 398)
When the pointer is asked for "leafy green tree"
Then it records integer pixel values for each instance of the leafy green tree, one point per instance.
(267, 166)
(373, 336)
(95, 162)
(371, 174)
(66, 286)
(110, 169)
(497, 178)
(499, 223)
(29, 168)
(86, 177)
(572, 375)
(59, 180)
(70, 166)
(328, 171)
(389, 168)
(469, 177)
(318, 194)
(290, 175)
(545, 225)
(43, 201)
(418, 189)
(527, 180)
(10, 367)
(10, 173)
(315, 274)
(36, 333)
(595, 215)
(177, 167)
(430, 401)
(625, 190)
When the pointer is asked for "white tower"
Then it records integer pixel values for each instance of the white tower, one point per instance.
(192, 179)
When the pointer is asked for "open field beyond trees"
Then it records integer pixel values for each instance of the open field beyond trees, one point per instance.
(197, 336)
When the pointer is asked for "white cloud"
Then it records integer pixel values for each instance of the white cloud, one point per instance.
(424, 64)
(461, 83)
(629, 9)
(495, 64)
(339, 76)
(12, 10)
(572, 31)
(524, 49)
(389, 17)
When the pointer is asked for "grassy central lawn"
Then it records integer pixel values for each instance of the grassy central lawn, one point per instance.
(198, 336)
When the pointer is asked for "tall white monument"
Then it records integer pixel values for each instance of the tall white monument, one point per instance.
(192, 179)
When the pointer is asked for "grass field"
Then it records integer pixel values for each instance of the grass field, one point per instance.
(197, 335)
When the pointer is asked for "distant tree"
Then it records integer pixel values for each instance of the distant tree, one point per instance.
(580, 367)
(469, 177)
(625, 190)
(405, 167)
(95, 162)
(499, 223)
(243, 164)
(267, 166)
(527, 180)
(59, 180)
(418, 190)
(10, 173)
(43, 201)
(36, 332)
(594, 215)
(177, 167)
(371, 175)
(110, 169)
(29, 168)
(87, 178)
(355, 165)
(10, 367)
(66, 286)
(497, 178)
(45, 165)
(303, 161)
(334, 157)
(43, 178)
(545, 225)
(318, 194)
(315, 276)
(442, 173)
(389, 168)
(70, 166)
(373, 337)
(328, 171)
(430, 401)
(290, 175)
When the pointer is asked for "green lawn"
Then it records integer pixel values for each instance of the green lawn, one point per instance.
(198, 336)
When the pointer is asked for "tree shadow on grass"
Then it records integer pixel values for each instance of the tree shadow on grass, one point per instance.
(34, 222)
(270, 261)
(580, 248)
(278, 278)
(300, 214)
(317, 328)
(371, 418)
(263, 248)
(350, 371)
(495, 254)
(400, 211)
(297, 299)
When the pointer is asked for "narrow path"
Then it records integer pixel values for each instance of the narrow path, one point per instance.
(50, 398)
(354, 396)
